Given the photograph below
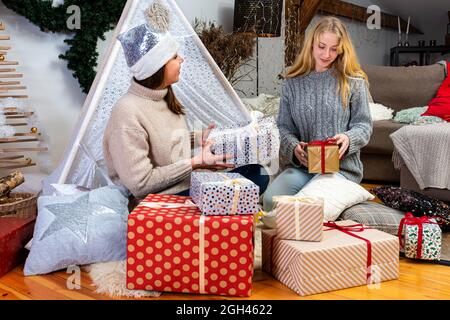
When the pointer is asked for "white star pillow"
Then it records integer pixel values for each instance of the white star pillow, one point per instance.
(78, 229)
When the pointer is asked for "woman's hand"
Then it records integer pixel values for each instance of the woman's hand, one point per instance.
(343, 142)
(205, 134)
(301, 154)
(207, 160)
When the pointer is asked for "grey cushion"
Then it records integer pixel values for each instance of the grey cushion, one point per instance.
(380, 142)
(374, 215)
(404, 87)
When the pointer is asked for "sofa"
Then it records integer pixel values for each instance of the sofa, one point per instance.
(398, 88)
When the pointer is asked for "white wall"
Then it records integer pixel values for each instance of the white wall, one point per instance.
(54, 93)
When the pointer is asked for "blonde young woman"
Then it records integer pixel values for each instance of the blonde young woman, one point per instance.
(324, 96)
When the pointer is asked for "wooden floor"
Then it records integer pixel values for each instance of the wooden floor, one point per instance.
(418, 280)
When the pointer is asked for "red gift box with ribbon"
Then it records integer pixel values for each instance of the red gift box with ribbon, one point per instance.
(323, 156)
(349, 255)
(172, 247)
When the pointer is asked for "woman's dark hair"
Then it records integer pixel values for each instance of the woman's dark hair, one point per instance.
(154, 82)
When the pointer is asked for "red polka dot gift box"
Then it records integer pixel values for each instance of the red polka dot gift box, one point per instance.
(172, 247)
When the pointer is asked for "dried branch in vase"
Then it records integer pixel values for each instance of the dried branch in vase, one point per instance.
(229, 50)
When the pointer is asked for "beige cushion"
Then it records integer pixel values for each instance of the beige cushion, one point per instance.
(404, 87)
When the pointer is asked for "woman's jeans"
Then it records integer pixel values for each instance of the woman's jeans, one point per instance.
(254, 172)
(288, 183)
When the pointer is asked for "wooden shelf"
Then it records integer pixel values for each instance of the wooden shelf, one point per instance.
(14, 96)
(12, 88)
(9, 63)
(11, 75)
(9, 83)
(7, 70)
(5, 48)
(4, 37)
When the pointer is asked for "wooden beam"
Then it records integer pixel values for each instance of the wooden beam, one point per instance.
(298, 15)
(358, 13)
(4, 37)
(5, 48)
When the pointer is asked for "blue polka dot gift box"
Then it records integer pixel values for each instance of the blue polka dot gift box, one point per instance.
(224, 193)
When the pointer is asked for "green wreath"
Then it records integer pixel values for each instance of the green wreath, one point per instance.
(97, 17)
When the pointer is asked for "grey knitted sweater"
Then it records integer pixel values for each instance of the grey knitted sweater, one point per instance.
(311, 109)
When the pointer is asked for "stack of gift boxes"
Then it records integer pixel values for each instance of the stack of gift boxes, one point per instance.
(203, 243)
(198, 244)
(310, 256)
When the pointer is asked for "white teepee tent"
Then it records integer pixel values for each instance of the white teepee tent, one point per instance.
(203, 90)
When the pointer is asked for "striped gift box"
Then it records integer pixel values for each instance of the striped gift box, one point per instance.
(339, 261)
(299, 218)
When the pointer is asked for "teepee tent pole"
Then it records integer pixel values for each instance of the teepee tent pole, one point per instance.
(224, 81)
(99, 84)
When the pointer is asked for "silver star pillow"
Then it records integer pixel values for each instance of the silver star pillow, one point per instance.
(79, 229)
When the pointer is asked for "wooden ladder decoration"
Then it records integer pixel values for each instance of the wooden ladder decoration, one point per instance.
(12, 147)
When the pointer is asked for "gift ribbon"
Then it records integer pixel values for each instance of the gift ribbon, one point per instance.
(349, 229)
(323, 144)
(297, 201)
(411, 220)
(237, 190)
(201, 253)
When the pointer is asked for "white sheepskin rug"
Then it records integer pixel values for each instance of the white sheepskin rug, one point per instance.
(110, 277)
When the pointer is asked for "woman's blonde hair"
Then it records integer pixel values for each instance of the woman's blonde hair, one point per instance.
(346, 63)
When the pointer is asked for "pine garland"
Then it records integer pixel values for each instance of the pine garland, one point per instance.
(97, 17)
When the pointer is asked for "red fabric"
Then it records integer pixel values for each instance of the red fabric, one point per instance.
(14, 235)
(440, 105)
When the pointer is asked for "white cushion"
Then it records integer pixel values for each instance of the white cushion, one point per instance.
(337, 192)
(380, 112)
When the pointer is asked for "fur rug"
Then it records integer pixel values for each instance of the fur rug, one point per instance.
(110, 277)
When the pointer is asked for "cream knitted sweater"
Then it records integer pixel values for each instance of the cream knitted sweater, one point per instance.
(146, 146)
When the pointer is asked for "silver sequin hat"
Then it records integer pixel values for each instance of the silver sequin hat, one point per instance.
(149, 46)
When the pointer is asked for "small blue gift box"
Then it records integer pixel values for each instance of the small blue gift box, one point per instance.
(224, 193)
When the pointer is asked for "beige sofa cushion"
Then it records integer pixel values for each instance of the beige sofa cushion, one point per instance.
(404, 87)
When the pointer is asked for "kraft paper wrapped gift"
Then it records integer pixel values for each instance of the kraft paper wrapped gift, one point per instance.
(323, 156)
(422, 237)
(299, 218)
(224, 193)
(339, 261)
(257, 142)
(172, 247)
